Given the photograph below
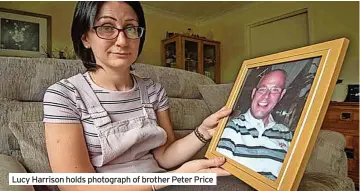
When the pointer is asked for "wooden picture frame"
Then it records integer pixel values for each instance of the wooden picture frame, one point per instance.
(274, 156)
(24, 34)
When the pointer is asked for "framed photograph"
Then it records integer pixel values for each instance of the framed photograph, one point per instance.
(24, 34)
(279, 102)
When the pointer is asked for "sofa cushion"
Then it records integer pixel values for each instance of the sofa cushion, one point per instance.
(313, 181)
(26, 79)
(328, 155)
(31, 138)
(177, 83)
(187, 113)
(11, 165)
(215, 95)
(16, 112)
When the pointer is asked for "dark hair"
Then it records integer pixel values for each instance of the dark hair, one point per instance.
(83, 20)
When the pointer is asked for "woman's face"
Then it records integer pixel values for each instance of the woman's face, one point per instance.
(119, 52)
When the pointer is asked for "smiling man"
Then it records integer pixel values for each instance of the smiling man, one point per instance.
(254, 139)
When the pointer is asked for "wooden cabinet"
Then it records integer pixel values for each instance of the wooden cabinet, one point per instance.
(192, 54)
(343, 117)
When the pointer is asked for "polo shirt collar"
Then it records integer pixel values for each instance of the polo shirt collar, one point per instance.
(258, 123)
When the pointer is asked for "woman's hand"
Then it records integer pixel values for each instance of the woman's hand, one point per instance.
(207, 128)
(204, 166)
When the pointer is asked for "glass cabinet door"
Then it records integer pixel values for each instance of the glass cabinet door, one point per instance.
(210, 59)
(170, 54)
(191, 55)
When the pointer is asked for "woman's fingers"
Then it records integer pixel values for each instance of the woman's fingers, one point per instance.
(219, 171)
(205, 166)
(214, 162)
(224, 107)
(222, 113)
(215, 167)
(213, 119)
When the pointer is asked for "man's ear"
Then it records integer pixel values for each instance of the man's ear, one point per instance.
(253, 93)
(85, 41)
(283, 93)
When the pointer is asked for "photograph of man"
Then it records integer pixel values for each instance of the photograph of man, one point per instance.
(254, 139)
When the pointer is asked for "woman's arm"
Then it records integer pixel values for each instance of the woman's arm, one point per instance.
(68, 153)
(175, 152)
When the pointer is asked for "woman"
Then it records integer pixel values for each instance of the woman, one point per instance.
(108, 120)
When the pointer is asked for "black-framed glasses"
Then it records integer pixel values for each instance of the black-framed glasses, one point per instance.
(110, 32)
(272, 90)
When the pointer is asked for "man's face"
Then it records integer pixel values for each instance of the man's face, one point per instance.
(268, 93)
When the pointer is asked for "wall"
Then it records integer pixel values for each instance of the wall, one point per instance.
(62, 12)
(327, 21)
(157, 24)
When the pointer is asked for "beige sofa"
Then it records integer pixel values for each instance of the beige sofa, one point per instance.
(23, 82)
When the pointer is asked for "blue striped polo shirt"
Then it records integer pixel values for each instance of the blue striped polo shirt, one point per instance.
(249, 142)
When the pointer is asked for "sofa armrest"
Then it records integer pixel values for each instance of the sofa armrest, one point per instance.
(314, 181)
(328, 155)
(8, 165)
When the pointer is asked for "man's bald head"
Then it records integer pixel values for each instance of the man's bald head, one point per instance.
(275, 75)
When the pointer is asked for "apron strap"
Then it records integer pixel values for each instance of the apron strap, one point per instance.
(148, 108)
(92, 103)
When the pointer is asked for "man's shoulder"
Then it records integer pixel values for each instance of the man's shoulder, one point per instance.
(240, 118)
(280, 127)
(282, 130)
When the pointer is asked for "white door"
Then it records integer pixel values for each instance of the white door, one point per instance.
(278, 34)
